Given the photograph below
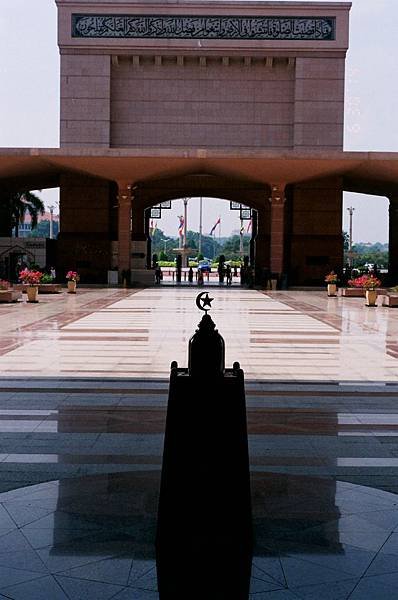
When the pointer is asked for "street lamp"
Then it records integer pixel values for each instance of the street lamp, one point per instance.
(349, 254)
(51, 209)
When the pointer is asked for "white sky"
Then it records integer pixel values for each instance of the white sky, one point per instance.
(29, 100)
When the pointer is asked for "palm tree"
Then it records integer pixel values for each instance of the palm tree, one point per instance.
(21, 203)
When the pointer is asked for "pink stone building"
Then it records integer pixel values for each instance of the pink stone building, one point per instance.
(236, 100)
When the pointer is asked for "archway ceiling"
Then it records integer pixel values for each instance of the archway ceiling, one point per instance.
(210, 185)
(368, 172)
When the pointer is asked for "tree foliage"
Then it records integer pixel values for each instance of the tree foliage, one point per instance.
(16, 205)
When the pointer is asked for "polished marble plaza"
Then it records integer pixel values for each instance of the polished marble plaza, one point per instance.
(83, 397)
(298, 336)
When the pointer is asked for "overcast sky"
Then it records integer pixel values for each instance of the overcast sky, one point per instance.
(29, 99)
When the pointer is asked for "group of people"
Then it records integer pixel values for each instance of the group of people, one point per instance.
(224, 273)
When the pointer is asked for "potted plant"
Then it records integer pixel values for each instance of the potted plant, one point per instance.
(31, 279)
(72, 278)
(331, 280)
(369, 283)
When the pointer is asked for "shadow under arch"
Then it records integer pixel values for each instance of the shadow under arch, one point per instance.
(250, 193)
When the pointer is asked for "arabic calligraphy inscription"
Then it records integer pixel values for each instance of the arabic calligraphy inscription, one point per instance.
(186, 27)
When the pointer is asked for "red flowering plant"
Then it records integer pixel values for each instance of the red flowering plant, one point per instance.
(331, 278)
(30, 277)
(367, 282)
(72, 276)
(4, 284)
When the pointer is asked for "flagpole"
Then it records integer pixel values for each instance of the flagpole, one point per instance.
(200, 226)
(241, 239)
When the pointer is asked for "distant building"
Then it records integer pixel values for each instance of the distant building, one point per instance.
(25, 228)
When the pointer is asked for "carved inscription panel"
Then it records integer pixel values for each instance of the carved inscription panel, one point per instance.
(195, 27)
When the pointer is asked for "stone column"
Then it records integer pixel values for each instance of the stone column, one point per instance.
(124, 227)
(138, 237)
(252, 245)
(147, 220)
(277, 201)
(263, 238)
(393, 239)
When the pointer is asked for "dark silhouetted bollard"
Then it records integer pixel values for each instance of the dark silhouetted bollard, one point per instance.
(204, 534)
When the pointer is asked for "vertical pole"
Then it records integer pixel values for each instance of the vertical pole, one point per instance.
(185, 230)
(200, 226)
(350, 212)
(241, 240)
(51, 209)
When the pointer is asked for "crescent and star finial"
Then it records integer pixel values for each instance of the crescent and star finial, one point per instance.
(203, 300)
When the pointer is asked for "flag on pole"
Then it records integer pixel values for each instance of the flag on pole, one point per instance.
(181, 226)
(215, 225)
(249, 226)
(242, 229)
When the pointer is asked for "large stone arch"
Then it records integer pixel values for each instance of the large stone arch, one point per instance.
(250, 193)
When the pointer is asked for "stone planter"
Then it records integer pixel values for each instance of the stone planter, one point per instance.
(32, 292)
(371, 296)
(390, 300)
(352, 292)
(10, 295)
(332, 289)
(44, 288)
(71, 287)
(50, 288)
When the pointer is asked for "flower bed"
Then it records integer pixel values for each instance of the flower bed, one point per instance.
(10, 295)
(353, 292)
(44, 288)
(391, 300)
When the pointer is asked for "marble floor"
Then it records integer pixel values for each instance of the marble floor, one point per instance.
(83, 396)
(295, 336)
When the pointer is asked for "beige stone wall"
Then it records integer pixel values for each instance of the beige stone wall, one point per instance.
(216, 93)
(314, 234)
(85, 100)
(210, 104)
(319, 103)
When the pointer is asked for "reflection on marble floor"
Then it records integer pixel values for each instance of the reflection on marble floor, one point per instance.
(83, 393)
(93, 537)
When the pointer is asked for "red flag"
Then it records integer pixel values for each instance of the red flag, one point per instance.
(215, 225)
(181, 226)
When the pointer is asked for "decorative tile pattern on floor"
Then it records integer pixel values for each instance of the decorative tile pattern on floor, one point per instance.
(297, 336)
(94, 537)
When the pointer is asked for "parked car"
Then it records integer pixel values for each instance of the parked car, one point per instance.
(204, 266)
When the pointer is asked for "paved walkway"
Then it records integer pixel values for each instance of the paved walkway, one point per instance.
(83, 394)
(284, 336)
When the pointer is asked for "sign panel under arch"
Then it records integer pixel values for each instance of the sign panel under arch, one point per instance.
(203, 27)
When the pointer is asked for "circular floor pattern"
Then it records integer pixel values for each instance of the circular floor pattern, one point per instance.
(93, 537)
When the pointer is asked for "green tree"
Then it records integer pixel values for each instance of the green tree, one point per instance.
(231, 247)
(16, 205)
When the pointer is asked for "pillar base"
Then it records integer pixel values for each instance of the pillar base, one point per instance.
(142, 277)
